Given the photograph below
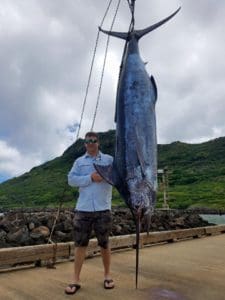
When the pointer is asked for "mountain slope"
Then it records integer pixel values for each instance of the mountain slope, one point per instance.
(196, 176)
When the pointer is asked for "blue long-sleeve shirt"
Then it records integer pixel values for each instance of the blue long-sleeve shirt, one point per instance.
(93, 196)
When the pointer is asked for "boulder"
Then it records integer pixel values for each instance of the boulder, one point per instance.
(42, 230)
(19, 237)
(31, 225)
(3, 234)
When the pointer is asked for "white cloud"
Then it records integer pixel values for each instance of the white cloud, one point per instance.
(12, 162)
(45, 57)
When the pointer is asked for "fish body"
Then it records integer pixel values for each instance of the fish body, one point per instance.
(135, 162)
(134, 169)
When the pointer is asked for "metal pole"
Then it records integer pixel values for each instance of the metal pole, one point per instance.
(165, 187)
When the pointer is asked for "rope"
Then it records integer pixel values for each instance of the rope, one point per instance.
(91, 69)
(129, 4)
(103, 68)
(51, 264)
(132, 7)
(129, 31)
(124, 51)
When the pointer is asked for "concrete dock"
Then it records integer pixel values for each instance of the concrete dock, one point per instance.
(189, 270)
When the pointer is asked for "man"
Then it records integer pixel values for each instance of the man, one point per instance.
(93, 209)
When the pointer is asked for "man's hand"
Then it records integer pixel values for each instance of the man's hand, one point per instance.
(96, 177)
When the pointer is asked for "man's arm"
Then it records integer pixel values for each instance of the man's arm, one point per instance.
(76, 179)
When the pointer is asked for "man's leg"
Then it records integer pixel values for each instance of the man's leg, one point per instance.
(102, 227)
(79, 256)
(106, 259)
(82, 231)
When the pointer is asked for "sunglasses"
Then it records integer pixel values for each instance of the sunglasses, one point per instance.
(90, 141)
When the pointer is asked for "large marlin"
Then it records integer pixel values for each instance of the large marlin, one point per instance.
(134, 170)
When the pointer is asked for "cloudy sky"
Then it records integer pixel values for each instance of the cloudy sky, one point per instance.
(46, 48)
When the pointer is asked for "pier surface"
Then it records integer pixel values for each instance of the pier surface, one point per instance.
(191, 269)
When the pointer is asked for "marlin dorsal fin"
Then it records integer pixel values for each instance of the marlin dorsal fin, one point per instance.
(152, 79)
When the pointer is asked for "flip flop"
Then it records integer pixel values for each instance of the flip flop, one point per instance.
(73, 285)
(107, 281)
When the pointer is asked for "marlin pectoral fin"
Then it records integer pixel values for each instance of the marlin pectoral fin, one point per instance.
(106, 172)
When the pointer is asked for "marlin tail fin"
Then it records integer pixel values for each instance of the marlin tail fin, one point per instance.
(120, 35)
(139, 33)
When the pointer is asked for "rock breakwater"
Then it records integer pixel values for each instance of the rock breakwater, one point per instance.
(23, 228)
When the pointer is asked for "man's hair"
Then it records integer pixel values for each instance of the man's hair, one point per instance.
(91, 133)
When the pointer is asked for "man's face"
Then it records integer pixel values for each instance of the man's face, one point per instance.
(91, 143)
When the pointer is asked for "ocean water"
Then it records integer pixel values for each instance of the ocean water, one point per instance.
(216, 219)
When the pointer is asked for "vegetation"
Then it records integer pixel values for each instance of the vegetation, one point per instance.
(196, 177)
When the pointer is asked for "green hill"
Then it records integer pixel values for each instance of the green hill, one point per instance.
(196, 176)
